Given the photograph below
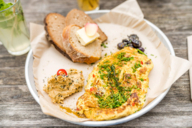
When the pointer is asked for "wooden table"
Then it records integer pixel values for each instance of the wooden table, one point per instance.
(173, 17)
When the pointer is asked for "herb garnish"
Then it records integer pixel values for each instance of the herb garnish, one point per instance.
(140, 52)
(127, 58)
(121, 55)
(122, 58)
(104, 45)
(115, 99)
(107, 61)
(135, 67)
(109, 71)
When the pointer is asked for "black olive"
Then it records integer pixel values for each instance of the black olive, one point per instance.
(130, 45)
(136, 43)
(133, 37)
(126, 42)
(142, 49)
(120, 45)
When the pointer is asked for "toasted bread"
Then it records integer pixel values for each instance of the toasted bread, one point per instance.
(77, 52)
(80, 18)
(54, 25)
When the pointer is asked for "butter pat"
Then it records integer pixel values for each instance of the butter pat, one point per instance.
(84, 38)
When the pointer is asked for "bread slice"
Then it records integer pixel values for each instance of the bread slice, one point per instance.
(80, 18)
(54, 25)
(77, 52)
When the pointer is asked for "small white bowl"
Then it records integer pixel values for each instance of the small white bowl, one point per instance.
(31, 85)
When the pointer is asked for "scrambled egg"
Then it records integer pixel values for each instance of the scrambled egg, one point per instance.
(62, 86)
(117, 86)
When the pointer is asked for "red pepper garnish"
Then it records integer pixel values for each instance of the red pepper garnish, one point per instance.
(92, 89)
(142, 62)
(93, 75)
(77, 109)
(61, 72)
(133, 104)
(145, 79)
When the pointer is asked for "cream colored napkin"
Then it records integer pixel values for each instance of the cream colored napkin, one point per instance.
(129, 7)
(189, 43)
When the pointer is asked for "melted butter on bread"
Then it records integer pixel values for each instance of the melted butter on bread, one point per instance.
(84, 39)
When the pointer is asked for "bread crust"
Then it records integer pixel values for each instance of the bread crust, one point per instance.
(73, 16)
(50, 37)
(75, 54)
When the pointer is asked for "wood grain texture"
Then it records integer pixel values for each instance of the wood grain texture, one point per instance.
(173, 17)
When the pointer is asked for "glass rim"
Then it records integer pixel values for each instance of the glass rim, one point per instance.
(10, 6)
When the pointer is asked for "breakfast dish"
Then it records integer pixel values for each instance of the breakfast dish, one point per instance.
(63, 84)
(47, 60)
(117, 86)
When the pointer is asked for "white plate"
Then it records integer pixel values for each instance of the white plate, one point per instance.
(94, 14)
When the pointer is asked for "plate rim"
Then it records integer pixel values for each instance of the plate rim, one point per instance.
(110, 122)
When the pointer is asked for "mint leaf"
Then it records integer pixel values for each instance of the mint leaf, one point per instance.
(1, 4)
(4, 5)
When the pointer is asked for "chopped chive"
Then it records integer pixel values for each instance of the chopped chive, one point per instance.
(104, 45)
(141, 79)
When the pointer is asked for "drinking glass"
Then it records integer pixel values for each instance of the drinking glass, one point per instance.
(88, 5)
(13, 31)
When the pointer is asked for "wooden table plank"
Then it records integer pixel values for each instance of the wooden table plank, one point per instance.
(174, 17)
